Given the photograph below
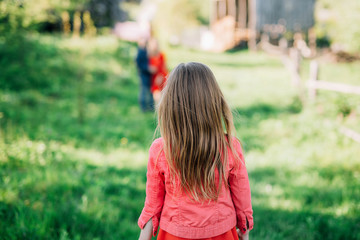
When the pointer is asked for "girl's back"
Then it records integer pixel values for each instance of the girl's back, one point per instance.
(197, 184)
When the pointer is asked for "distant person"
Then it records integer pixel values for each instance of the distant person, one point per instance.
(157, 66)
(146, 99)
(197, 183)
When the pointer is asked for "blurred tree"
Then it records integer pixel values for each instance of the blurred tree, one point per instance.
(65, 17)
(172, 17)
(46, 15)
(89, 28)
(77, 24)
(22, 56)
(339, 20)
(106, 12)
(18, 15)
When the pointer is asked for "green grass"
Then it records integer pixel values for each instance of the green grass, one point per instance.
(63, 179)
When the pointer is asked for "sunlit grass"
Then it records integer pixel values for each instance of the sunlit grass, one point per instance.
(62, 179)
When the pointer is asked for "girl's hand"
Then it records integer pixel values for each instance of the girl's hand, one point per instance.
(146, 232)
(243, 236)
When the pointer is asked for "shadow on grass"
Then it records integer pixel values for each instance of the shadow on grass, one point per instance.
(279, 224)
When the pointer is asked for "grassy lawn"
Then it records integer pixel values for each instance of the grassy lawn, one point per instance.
(68, 177)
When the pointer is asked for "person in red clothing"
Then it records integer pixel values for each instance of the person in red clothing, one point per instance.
(197, 183)
(157, 66)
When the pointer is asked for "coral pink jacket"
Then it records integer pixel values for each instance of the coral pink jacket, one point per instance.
(181, 216)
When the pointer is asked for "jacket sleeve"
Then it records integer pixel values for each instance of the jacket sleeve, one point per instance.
(155, 192)
(240, 192)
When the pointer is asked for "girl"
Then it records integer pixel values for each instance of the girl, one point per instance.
(157, 67)
(197, 184)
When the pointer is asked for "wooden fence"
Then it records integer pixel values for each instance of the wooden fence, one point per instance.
(291, 58)
(314, 83)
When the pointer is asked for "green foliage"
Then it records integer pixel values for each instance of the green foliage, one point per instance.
(339, 21)
(344, 107)
(60, 179)
(16, 15)
(173, 17)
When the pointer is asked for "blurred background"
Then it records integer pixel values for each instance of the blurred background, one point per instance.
(74, 141)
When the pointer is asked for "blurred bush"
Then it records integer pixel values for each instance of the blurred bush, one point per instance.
(339, 21)
(296, 106)
(48, 15)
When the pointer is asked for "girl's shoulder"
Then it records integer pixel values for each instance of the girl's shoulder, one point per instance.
(236, 143)
(156, 155)
(157, 142)
(156, 146)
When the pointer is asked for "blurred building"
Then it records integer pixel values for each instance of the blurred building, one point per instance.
(235, 21)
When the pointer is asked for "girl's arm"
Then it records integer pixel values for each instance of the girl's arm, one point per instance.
(155, 190)
(146, 232)
(240, 192)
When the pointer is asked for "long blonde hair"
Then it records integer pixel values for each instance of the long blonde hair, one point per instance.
(192, 115)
